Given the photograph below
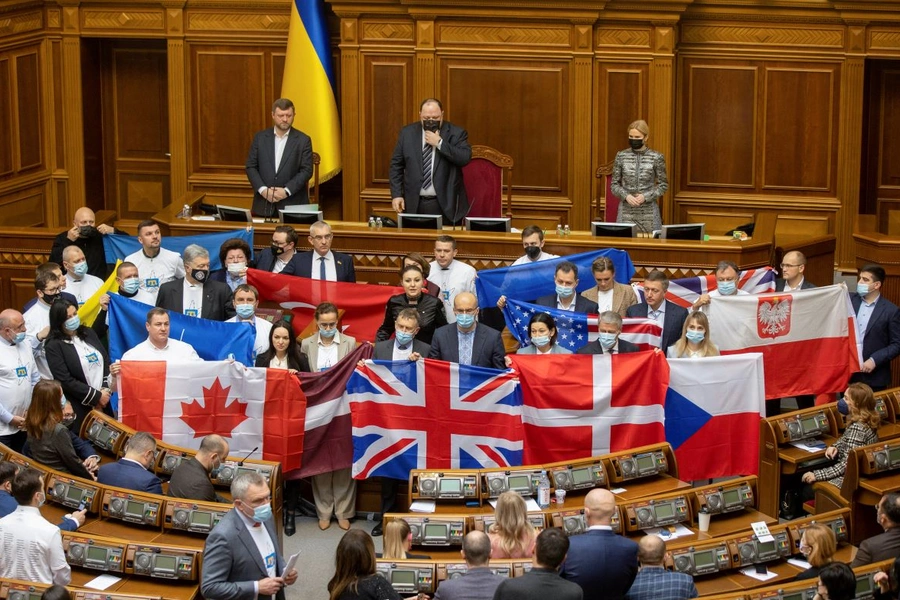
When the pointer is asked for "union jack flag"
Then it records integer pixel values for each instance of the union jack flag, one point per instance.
(684, 292)
(464, 418)
(574, 330)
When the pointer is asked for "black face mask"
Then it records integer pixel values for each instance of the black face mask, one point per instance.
(636, 144)
(200, 275)
(86, 231)
(51, 298)
(68, 421)
(277, 250)
(431, 124)
(533, 252)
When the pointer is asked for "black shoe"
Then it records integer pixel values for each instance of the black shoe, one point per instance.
(377, 531)
(290, 527)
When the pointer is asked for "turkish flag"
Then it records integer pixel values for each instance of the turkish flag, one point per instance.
(576, 406)
(363, 304)
(261, 409)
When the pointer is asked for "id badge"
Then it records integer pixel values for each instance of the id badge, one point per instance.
(191, 312)
(92, 358)
(152, 282)
(445, 294)
(21, 372)
(270, 561)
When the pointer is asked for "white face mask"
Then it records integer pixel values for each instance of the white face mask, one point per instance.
(235, 268)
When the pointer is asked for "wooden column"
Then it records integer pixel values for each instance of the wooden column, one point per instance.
(425, 79)
(351, 138)
(178, 168)
(661, 113)
(582, 161)
(71, 127)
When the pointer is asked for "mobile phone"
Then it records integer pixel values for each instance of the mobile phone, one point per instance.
(761, 569)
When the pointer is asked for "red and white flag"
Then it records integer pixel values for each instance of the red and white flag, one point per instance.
(807, 338)
(260, 409)
(576, 406)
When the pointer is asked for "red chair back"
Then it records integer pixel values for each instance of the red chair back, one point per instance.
(484, 188)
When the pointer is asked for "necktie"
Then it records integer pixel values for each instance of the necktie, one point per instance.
(426, 166)
(322, 268)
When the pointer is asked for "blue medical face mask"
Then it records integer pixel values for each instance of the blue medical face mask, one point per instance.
(464, 320)
(608, 340)
(403, 337)
(73, 323)
(862, 289)
(727, 288)
(80, 269)
(327, 333)
(695, 336)
(564, 292)
(131, 285)
(20, 337)
(263, 513)
(540, 340)
(244, 311)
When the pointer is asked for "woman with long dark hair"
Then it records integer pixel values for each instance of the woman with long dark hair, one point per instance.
(48, 438)
(430, 309)
(354, 571)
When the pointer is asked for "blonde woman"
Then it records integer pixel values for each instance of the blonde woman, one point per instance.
(694, 341)
(512, 536)
(639, 180)
(398, 541)
(818, 545)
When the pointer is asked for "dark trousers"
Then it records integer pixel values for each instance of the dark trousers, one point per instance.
(389, 490)
(15, 441)
(429, 205)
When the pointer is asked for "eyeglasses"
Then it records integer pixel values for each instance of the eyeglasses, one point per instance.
(786, 265)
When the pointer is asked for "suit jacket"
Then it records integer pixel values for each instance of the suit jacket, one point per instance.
(880, 547)
(453, 155)
(881, 342)
(232, 563)
(190, 480)
(265, 261)
(623, 297)
(806, 285)
(582, 304)
(478, 584)
(487, 347)
(595, 347)
(674, 323)
(293, 173)
(130, 475)
(65, 366)
(602, 563)
(538, 584)
(384, 350)
(657, 583)
(217, 299)
(8, 504)
(343, 265)
(310, 347)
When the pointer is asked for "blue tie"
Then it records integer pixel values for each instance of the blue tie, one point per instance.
(322, 268)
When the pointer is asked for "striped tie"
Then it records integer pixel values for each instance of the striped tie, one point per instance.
(426, 166)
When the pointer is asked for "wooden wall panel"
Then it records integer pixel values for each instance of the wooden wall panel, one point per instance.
(536, 134)
(719, 123)
(889, 126)
(621, 97)
(6, 119)
(29, 108)
(24, 208)
(388, 103)
(799, 135)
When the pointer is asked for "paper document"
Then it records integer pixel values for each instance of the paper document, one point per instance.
(290, 564)
(809, 445)
(761, 530)
(751, 572)
(102, 582)
(797, 562)
(669, 532)
(422, 506)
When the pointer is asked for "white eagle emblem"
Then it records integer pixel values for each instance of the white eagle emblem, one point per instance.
(773, 317)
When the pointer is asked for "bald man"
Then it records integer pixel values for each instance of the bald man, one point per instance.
(792, 280)
(603, 563)
(653, 581)
(18, 375)
(88, 236)
(190, 479)
(465, 341)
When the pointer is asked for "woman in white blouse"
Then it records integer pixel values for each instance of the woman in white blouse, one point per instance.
(694, 342)
(283, 352)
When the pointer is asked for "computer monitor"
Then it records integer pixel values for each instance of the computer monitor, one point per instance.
(233, 213)
(300, 217)
(687, 231)
(411, 221)
(624, 230)
(497, 225)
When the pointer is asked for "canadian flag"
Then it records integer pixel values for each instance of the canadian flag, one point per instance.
(576, 406)
(261, 412)
(807, 338)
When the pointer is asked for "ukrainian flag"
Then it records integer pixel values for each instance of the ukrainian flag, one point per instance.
(309, 83)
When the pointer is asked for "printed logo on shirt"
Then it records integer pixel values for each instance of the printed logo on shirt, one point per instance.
(445, 294)
(270, 561)
(92, 358)
(21, 372)
(151, 282)
(192, 312)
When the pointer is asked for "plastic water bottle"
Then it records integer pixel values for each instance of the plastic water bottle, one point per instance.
(185, 212)
(378, 223)
(371, 222)
(559, 230)
(567, 231)
(543, 495)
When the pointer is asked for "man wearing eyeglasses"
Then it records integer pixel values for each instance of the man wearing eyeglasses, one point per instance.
(465, 341)
(321, 262)
(792, 266)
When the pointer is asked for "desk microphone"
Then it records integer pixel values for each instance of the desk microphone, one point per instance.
(246, 456)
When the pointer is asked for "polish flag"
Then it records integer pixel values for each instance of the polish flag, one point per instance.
(576, 406)
(261, 409)
(807, 338)
(713, 408)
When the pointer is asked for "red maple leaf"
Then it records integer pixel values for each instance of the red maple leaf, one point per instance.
(214, 416)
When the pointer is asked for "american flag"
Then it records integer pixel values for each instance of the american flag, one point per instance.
(465, 418)
(684, 292)
(574, 330)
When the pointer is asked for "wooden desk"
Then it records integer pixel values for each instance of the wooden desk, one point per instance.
(181, 538)
(81, 576)
(635, 490)
(173, 590)
(119, 529)
(786, 572)
(708, 585)
(793, 459)
(732, 524)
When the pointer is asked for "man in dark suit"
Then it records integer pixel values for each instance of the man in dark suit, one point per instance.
(280, 163)
(885, 545)
(242, 558)
(190, 479)
(567, 296)
(426, 168)
(878, 323)
(465, 342)
(132, 470)
(543, 582)
(281, 257)
(603, 563)
(792, 266)
(667, 314)
(321, 262)
(608, 342)
(196, 295)
(479, 583)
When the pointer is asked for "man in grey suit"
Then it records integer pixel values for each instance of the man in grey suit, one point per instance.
(479, 583)
(241, 558)
(280, 163)
(426, 167)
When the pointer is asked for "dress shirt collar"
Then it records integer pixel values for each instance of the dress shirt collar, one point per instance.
(600, 528)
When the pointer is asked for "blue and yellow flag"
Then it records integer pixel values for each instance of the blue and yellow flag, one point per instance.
(88, 311)
(309, 83)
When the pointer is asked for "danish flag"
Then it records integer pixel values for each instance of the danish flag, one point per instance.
(464, 418)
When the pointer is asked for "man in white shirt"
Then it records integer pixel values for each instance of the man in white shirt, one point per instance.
(158, 346)
(130, 284)
(155, 264)
(30, 545)
(79, 282)
(727, 275)
(246, 301)
(18, 375)
(449, 274)
(37, 318)
(533, 242)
